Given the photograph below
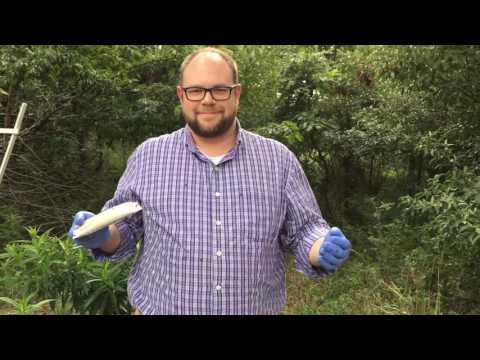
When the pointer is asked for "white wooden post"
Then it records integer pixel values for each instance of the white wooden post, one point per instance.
(13, 136)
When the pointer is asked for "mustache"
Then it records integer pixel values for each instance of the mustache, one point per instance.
(220, 127)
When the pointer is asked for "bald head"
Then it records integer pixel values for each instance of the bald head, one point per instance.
(204, 57)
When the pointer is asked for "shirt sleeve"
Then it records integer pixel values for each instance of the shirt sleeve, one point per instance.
(304, 223)
(130, 228)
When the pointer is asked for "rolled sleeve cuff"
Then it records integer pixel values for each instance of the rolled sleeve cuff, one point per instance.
(127, 246)
(302, 263)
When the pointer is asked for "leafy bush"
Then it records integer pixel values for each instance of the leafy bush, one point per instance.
(48, 267)
(437, 233)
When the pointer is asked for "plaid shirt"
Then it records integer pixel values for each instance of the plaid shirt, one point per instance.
(215, 238)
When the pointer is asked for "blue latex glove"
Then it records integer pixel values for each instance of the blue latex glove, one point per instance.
(334, 250)
(92, 241)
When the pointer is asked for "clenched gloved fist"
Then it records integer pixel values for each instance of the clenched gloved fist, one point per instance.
(92, 241)
(334, 250)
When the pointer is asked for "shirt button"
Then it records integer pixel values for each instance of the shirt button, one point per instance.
(218, 222)
(217, 194)
(219, 253)
(218, 288)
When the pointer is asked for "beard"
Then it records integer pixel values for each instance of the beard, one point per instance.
(220, 128)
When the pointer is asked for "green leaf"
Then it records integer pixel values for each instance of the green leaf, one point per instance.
(9, 301)
(94, 297)
(43, 302)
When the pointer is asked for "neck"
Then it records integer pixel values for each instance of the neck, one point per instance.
(219, 145)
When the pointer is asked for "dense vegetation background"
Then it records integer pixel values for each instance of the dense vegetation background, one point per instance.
(388, 136)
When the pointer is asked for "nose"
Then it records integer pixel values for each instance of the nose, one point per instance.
(208, 98)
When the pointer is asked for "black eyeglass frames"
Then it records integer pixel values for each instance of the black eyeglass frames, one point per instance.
(218, 93)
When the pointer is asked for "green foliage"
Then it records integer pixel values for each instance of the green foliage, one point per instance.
(110, 292)
(55, 268)
(10, 225)
(286, 132)
(260, 69)
(362, 287)
(82, 99)
(438, 232)
(23, 306)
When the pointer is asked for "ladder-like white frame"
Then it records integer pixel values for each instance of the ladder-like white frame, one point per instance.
(13, 136)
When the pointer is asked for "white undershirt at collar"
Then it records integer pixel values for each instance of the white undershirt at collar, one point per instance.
(216, 159)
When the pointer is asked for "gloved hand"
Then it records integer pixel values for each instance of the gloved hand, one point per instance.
(334, 250)
(92, 241)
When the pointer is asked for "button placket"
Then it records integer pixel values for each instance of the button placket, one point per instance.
(217, 239)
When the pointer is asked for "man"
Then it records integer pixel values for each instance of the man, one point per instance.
(221, 208)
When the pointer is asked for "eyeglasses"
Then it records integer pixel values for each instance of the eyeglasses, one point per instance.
(218, 93)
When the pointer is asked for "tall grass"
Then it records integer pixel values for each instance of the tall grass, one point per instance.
(361, 287)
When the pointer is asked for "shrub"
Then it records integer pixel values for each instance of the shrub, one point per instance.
(48, 267)
(437, 233)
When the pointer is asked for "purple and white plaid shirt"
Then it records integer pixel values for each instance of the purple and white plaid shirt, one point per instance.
(215, 238)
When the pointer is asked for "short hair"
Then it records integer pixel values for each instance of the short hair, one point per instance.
(228, 59)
